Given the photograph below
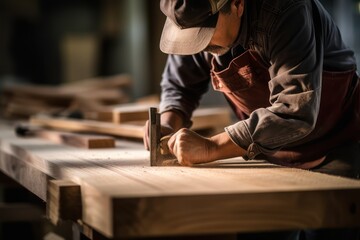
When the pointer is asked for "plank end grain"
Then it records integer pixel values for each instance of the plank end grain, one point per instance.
(63, 201)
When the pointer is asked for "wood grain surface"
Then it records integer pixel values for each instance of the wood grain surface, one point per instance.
(122, 196)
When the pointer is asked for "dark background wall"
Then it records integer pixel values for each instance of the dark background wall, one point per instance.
(52, 42)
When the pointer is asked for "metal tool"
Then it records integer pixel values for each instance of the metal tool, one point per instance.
(159, 152)
(25, 130)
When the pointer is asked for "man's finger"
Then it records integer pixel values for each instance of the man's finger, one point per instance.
(146, 136)
(171, 143)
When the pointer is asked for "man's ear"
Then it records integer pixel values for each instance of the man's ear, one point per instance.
(239, 4)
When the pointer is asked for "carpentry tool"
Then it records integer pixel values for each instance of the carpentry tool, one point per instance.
(23, 130)
(159, 152)
(72, 139)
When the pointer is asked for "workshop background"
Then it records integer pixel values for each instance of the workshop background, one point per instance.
(52, 42)
(64, 41)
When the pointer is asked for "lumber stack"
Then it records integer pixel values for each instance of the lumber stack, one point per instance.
(72, 139)
(23, 101)
(101, 106)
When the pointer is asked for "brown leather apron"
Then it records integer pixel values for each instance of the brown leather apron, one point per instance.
(245, 85)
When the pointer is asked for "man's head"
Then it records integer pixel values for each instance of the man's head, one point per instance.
(193, 26)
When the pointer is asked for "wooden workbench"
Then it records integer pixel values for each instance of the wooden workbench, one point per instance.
(120, 195)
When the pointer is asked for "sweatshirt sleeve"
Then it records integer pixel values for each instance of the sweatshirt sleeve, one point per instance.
(184, 81)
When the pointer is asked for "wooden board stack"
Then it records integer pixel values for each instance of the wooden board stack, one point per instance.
(22, 101)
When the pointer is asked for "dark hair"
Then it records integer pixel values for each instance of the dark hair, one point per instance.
(226, 8)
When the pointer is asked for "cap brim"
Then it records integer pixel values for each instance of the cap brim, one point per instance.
(175, 40)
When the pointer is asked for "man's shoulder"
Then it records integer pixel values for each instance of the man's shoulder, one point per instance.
(270, 11)
(279, 6)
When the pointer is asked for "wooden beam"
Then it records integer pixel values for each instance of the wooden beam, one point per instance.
(207, 118)
(63, 201)
(102, 116)
(122, 196)
(79, 140)
(89, 126)
(203, 118)
(29, 177)
(72, 139)
(131, 112)
(251, 212)
(24, 100)
(67, 92)
(129, 121)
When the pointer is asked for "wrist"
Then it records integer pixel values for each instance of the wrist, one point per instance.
(224, 147)
(172, 119)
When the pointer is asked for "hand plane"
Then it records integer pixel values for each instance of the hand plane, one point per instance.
(159, 152)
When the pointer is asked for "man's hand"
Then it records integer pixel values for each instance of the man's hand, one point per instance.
(170, 123)
(164, 129)
(191, 148)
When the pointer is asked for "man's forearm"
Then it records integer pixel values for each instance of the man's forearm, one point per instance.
(191, 148)
(225, 147)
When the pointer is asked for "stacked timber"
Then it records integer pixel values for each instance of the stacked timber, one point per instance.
(23, 101)
(101, 106)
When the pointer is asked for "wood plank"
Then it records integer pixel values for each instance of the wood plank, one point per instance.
(99, 116)
(214, 117)
(203, 118)
(67, 92)
(225, 179)
(184, 202)
(206, 118)
(56, 161)
(29, 177)
(249, 199)
(99, 100)
(79, 140)
(63, 201)
(87, 126)
(235, 213)
(73, 139)
(24, 100)
(123, 196)
(131, 112)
